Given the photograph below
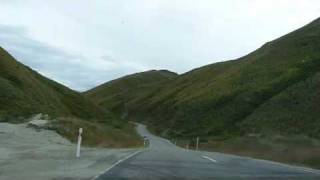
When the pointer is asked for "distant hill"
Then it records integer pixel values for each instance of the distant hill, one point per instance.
(24, 93)
(274, 89)
(117, 94)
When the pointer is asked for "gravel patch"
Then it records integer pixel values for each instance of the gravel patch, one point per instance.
(44, 155)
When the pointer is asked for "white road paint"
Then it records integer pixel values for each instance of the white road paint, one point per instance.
(162, 152)
(55, 156)
(310, 171)
(305, 169)
(210, 159)
(115, 164)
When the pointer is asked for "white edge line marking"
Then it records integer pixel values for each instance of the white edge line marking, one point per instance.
(310, 171)
(305, 169)
(210, 159)
(115, 164)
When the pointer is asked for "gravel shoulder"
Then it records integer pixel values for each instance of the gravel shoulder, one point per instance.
(44, 155)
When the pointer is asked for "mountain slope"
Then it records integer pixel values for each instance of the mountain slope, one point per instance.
(223, 99)
(117, 94)
(263, 105)
(24, 93)
(217, 99)
(295, 110)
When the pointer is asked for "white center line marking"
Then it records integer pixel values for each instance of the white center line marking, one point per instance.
(210, 159)
(114, 165)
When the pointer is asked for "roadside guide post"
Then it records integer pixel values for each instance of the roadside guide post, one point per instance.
(79, 142)
(145, 140)
(197, 147)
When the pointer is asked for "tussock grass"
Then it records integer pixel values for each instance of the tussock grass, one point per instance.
(99, 134)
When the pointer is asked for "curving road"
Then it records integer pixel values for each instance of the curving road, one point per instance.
(163, 160)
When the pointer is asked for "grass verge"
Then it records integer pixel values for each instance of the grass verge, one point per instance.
(295, 150)
(98, 134)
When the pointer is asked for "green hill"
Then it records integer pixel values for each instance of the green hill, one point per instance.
(218, 99)
(264, 99)
(117, 94)
(24, 92)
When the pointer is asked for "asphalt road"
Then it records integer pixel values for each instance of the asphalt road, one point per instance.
(163, 160)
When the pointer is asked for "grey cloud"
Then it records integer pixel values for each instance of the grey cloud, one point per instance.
(90, 42)
(109, 59)
(71, 70)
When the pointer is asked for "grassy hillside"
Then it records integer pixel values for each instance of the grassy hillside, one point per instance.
(117, 94)
(218, 99)
(268, 98)
(24, 92)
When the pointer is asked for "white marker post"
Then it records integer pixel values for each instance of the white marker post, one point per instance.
(79, 142)
(197, 147)
(145, 140)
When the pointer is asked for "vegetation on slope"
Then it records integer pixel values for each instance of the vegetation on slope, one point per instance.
(270, 92)
(218, 99)
(117, 94)
(24, 92)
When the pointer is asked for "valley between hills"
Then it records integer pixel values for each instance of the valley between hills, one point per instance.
(264, 104)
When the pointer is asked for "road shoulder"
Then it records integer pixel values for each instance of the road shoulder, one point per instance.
(44, 155)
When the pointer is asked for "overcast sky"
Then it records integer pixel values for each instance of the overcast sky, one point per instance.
(83, 43)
